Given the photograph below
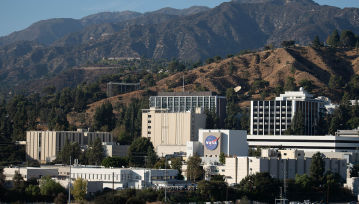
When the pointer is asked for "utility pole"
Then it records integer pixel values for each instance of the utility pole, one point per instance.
(70, 183)
(165, 178)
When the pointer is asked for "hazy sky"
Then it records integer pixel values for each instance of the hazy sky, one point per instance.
(18, 14)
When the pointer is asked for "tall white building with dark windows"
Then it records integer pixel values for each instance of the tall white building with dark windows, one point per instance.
(189, 101)
(275, 117)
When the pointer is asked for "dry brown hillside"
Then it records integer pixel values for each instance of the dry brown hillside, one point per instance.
(274, 66)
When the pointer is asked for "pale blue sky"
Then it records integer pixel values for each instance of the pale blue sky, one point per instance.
(18, 14)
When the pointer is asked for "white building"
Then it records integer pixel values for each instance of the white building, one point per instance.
(29, 172)
(45, 145)
(308, 143)
(169, 132)
(119, 178)
(237, 168)
(189, 101)
(212, 142)
(275, 117)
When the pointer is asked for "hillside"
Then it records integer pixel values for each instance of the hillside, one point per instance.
(229, 28)
(273, 66)
(47, 31)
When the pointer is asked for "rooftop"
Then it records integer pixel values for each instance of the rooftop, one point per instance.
(186, 93)
(295, 95)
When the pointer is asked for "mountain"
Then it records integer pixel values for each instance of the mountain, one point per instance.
(44, 32)
(181, 12)
(48, 31)
(227, 28)
(109, 17)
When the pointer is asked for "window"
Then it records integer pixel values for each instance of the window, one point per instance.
(149, 127)
(149, 132)
(149, 116)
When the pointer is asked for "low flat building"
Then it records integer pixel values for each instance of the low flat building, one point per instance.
(310, 143)
(119, 178)
(237, 168)
(29, 172)
(44, 146)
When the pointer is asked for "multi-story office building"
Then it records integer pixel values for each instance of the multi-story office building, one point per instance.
(169, 132)
(45, 145)
(189, 101)
(275, 117)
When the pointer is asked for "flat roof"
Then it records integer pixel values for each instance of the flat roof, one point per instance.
(186, 93)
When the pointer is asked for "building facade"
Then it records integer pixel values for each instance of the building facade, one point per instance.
(168, 129)
(189, 101)
(237, 168)
(119, 178)
(44, 146)
(328, 143)
(214, 142)
(275, 117)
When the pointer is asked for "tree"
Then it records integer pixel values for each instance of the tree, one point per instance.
(104, 118)
(194, 168)
(60, 198)
(95, 152)
(151, 157)
(334, 39)
(335, 82)
(290, 84)
(298, 124)
(288, 43)
(138, 151)
(72, 150)
(19, 183)
(259, 186)
(213, 190)
(222, 158)
(115, 162)
(307, 85)
(50, 188)
(79, 190)
(304, 181)
(80, 100)
(176, 163)
(316, 42)
(347, 39)
(354, 170)
(32, 191)
(161, 164)
(232, 120)
(257, 152)
(317, 168)
(212, 120)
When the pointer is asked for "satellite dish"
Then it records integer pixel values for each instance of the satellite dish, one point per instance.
(238, 88)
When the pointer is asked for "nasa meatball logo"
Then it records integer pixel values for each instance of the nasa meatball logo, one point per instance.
(211, 142)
